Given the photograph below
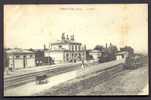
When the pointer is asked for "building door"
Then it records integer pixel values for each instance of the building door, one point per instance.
(67, 57)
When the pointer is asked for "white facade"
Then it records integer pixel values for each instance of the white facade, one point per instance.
(18, 59)
(31, 62)
(118, 57)
(121, 55)
(57, 56)
(18, 63)
(68, 46)
(66, 50)
(95, 54)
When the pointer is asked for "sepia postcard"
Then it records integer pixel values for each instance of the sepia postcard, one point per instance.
(76, 50)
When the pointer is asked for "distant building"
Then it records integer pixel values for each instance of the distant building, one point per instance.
(66, 50)
(88, 56)
(95, 54)
(40, 59)
(19, 58)
(121, 55)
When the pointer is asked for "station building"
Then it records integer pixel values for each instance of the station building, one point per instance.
(95, 54)
(66, 50)
(19, 58)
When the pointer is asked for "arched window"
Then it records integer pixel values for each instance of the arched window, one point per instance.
(72, 47)
(79, 48)
(75, 47)
(79, 56)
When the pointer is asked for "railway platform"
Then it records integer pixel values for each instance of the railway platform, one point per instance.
(31, 88)
(35, 69)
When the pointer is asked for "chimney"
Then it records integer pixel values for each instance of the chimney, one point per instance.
(84, 47)
(44, 47)
(63, 36)
(72, 37)
(110, 44)
(49, 45)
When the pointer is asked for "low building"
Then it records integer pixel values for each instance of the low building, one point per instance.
(121, 55)
(19, 58)
(95, 54)
(66, 50)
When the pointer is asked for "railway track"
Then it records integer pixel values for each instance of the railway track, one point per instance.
(87, 81)
(101, 71)
(10, 82)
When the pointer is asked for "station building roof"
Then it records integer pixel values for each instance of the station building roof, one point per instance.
(19, 51)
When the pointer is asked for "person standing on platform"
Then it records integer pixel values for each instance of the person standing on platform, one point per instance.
(82, 66)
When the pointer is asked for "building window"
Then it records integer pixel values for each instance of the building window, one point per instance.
(60, 46)
(17, 56)
(72, 47)
(79, 47)
(72, 56)
(79, 56)
(75, 54)
(24, 56)
(31, 56)
(75, 47)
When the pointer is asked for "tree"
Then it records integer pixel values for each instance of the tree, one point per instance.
(31, 49)
(108, 54)
(112, 49)
(98, 47)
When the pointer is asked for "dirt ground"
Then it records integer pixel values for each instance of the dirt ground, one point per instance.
(127, 82)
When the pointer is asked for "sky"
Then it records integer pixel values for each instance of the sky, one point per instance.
(32, 26)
